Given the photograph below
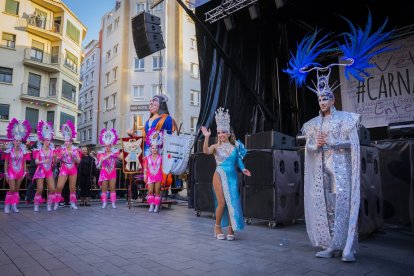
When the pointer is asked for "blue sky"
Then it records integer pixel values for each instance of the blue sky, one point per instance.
(90, 13)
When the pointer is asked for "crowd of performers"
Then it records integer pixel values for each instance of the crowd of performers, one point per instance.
(331, 177)
(46, 157)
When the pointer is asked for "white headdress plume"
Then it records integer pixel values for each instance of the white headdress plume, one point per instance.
(223, 119)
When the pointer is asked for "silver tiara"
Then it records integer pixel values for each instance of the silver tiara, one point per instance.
(223, 119)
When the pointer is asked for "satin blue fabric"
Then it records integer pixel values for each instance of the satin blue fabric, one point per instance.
(228, 175)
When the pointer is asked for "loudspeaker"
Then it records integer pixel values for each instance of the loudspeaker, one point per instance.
(395, 167)
(401, 130)
(202, 171)
(269, 140)
(371, 205)
(274, 192)
(364, 136)
(147, 34)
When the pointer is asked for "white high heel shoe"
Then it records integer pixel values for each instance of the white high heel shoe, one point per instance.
(73, 206)
(218, 236)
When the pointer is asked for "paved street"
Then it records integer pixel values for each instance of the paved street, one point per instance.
(92, 241)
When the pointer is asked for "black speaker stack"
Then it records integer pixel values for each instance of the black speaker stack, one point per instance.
(274, 192)
(371, 208)
(202, 169)
(147, 34)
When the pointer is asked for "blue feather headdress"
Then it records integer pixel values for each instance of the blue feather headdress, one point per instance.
(356, 55)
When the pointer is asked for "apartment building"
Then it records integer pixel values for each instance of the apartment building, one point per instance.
(128, 83)
(40, 55)
(89, 95)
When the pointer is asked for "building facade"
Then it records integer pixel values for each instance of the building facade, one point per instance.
(40, 55)
(128, 83)
(89, 95)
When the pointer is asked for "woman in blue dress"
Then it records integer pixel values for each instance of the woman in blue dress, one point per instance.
(228, 154)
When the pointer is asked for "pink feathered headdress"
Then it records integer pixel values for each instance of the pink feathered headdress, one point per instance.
(45, 131)
(108, 137)
(18, 130)
(68, 130)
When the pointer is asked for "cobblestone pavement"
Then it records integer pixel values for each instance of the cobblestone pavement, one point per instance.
(122, 241)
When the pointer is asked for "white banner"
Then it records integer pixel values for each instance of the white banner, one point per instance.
(387, 96)
(176, 153)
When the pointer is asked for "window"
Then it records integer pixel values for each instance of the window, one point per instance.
(86, 80)
(72, 32)
(195, 97)
(156, 89)
(91, 95)
(116, 23)
(109, 30)
(138, 91)
(93, 58)
(86, 98)
(106, 125)
(6, 75)
(194, 70)
(8, 40)
(12, 7)
(92, 75)
(139, 64)
(108, 55)
(52, 87)
(116, 49)
(107, 78)
(106, 101)
(157, 63)
(4, 111)
(115, 72)
(64, 117)
(55, 55)
(193, 43)
(84, 135)
(50, 117)
(36, 53)
(159, 7)
(33, 87)
(193, 124)
(87, 63)
(90, 114)
(138, 121)
(114, 100)
(32, 115)
(89, 134)
(71, 61)
(140, 7)
(113, 121)
(68, 91)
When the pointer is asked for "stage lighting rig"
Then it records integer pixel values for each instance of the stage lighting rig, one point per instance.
(226, 8)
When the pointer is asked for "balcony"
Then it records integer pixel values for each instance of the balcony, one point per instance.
(42, 27)
(42, 61)
(53, 5)
(44, 95)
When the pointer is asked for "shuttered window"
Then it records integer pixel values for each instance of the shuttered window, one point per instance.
(72, 32)
(12, 7)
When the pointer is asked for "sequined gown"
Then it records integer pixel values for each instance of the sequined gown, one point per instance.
(227, 158)
(332, 188)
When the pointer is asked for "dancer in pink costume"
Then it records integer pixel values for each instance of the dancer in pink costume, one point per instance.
(44, 156)
(153, 177)
(69, 157)
(15, 161)
(107, 163)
